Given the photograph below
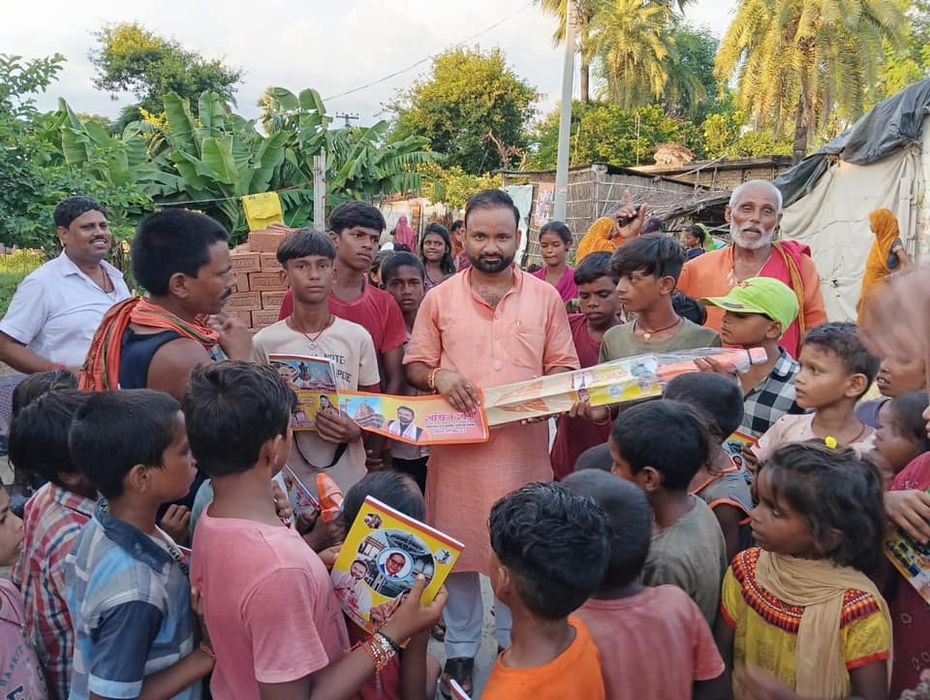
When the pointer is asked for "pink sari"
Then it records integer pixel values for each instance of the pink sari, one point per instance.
(405, 235)
(566, 286)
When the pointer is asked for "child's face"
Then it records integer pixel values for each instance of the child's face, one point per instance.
(356, 247)
(406, 286)
(640, 292)
(689, 240)
(747, 330)
(893, 442)
(310, 278)
(173, 479)
(823, 378)
(599, 301)
(899, 375)
(11, 532)
(434, 247)
(775, 526)
(553, 249)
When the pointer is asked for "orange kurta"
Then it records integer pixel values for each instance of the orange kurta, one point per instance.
(526, 336)
(711, 275)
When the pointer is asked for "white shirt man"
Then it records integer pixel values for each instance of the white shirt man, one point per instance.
(56, 310)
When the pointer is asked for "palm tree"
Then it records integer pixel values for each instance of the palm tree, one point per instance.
(806, 61)
(588, 22)
(633, 49)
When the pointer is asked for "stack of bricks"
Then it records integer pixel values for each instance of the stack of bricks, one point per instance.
(259, 287)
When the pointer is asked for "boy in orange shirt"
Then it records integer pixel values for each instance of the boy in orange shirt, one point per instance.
(551, 548)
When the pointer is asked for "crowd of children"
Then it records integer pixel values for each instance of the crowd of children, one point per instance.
(724, 540)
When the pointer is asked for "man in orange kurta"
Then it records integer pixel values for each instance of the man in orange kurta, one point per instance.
(754, 212)
(490, 325)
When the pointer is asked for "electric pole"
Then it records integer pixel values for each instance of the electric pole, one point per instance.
(349, 118)
(565, 122)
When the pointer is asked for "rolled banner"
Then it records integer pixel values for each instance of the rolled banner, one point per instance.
(619, 381)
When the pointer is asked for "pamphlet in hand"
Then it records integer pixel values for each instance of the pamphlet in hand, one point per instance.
(416, 420)
(314, 380)
(383, 553)
(304, 503)
(912, 561)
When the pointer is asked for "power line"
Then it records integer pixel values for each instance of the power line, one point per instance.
(430, 57)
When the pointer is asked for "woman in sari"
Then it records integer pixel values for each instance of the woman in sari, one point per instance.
(610, 232)
(886, 257)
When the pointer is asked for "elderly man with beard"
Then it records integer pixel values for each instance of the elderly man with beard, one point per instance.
(490, 325)
(754, 212)
(57, 308)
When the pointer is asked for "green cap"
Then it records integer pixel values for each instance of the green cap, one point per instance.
(761, 295)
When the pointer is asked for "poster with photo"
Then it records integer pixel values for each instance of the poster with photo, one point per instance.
(415, 420)
(314, 380)
(383, 553)
(912, 560)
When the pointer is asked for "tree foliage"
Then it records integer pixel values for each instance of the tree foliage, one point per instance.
(725, 136)
(606, 133)
(35, 174)
(452, 185)
(130, 58)
(804, 65)
(472, 108)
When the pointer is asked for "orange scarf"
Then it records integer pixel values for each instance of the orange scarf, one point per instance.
(101, 368)
(884, 225)
(597, 239)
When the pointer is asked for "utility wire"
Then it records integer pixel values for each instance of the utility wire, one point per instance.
(430, 57)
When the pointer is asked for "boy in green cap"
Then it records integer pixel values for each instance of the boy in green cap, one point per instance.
(756, 313)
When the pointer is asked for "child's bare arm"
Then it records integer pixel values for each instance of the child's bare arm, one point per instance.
(724, 635)
(413, 668)
(716, 689)
(729, 518)
(870, 682)
(172, 680)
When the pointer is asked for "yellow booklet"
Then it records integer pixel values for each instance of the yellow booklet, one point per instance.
(382, 556)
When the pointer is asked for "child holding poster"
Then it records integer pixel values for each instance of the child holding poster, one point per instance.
(313, 331)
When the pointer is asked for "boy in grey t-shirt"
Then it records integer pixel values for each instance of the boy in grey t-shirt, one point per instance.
(659, 446)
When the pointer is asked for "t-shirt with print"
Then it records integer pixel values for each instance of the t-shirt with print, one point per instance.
(271, 610)
(352, 353)
(654, 644)
(621, 341)
(22, 679)
(691, 554)
(789, 430)
(375, 310)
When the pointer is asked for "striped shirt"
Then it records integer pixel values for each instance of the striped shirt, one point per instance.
(130, 603)
(51, 523)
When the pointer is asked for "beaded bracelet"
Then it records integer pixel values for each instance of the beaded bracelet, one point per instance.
(394, 645)
(381, 653)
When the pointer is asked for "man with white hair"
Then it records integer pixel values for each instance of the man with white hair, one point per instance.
(754, 212)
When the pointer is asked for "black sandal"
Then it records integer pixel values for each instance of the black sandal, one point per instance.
(459, 669)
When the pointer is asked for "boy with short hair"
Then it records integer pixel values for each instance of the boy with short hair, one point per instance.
(654, 642)
(307, 261)
(128, 589)
(277, 626)
(53, 518)
(660, 446)
(898, 374)
(355, 229)
(404, 278)
(550, 552)
(648, 269)
(597, 292)
(836, 370)
(756, 314)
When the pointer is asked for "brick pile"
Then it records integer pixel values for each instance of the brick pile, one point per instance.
(259, 288)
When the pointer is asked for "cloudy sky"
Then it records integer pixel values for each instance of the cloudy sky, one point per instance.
(332, 46)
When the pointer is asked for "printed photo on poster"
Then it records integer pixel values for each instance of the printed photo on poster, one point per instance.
(314, 380)
(912, 560)
(383, 554)
(415, 420)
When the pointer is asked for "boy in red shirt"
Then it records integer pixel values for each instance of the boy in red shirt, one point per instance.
(355, 228)
(654, 641)
(551, 549)
(597, 290)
